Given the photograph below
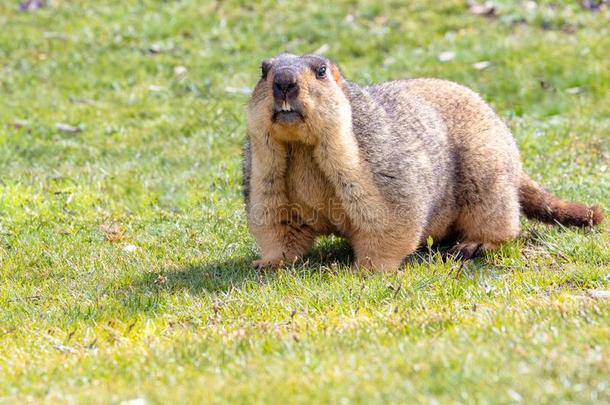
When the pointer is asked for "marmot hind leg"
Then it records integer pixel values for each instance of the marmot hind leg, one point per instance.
(486, 225)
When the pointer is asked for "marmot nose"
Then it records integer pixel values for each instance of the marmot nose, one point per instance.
(285, 84)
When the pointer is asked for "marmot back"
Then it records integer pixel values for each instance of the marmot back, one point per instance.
(385, 166)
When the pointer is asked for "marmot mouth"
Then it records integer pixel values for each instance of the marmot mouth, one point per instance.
(287, 116)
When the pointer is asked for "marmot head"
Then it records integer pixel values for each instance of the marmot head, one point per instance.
(297, 98)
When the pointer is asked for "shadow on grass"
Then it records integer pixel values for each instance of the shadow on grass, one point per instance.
(330, 255)
(223, 275)
(152, 292)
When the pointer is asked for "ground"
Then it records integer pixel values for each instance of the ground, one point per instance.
(124, 249)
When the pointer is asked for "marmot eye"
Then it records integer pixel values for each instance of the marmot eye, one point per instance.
(321, 73)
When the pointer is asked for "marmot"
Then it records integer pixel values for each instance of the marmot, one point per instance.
(385, 166)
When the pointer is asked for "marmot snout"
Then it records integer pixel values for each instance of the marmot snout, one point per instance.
(385, 166)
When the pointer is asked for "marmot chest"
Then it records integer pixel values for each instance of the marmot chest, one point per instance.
(311, 193)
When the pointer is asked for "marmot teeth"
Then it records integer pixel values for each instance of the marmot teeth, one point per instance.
(286, 106)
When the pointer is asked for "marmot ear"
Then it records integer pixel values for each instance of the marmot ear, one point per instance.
(265, 66)
(336, 73)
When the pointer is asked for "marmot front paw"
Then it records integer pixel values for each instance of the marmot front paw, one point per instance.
(262, 264)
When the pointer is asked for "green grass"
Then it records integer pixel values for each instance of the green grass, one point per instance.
(183, 317)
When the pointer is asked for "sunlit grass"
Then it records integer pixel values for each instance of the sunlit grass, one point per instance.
(124, 250)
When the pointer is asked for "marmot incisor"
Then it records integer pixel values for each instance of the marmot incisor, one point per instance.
(385, 166)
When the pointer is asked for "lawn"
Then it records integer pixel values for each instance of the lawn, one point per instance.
(124, 249)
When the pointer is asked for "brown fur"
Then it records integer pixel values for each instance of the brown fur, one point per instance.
(385, 166)
(537, 203)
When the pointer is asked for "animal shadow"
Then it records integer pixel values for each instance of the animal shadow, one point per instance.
(222, 275)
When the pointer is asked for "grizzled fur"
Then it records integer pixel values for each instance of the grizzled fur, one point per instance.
(385, 166)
